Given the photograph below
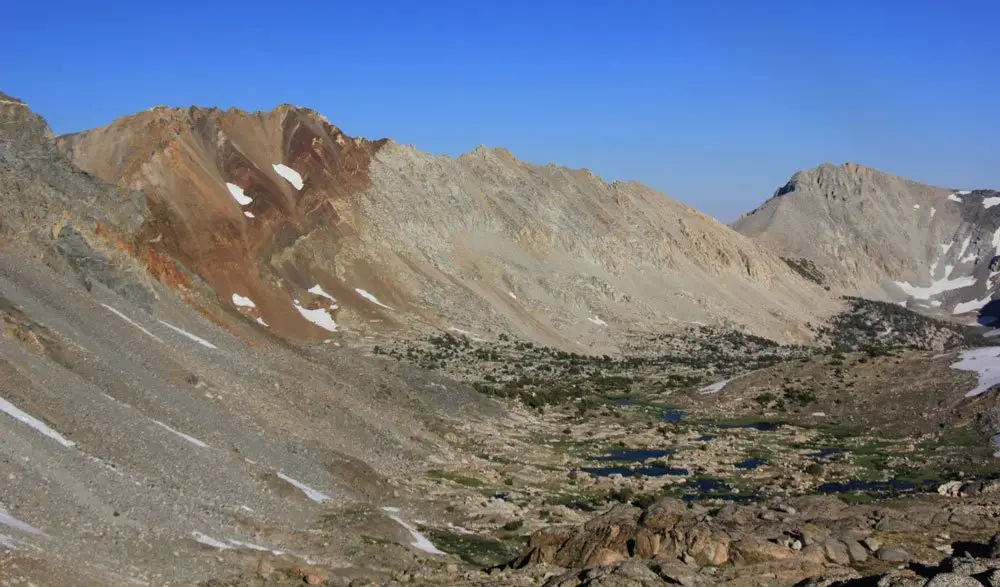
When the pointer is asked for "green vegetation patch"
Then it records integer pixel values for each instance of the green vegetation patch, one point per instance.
(475, 550)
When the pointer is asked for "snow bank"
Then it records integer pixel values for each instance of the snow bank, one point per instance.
(312, 494)
(985, 362)
(197, 339)
(12, 522)
(991, 201)
(320, 317)
(420, 542)
(248, 214)
(289, 174)
(238, 195)
(937, 286)
(370, 298)
(318, 290)
(209, 541)
(715, 387)
(190, 439)
(243, 302)
(129, 320)
(970, 305)
(965, 246)
(32, 422)
(954, 198)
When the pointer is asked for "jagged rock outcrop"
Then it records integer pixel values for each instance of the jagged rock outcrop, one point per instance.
(865, 232)
(269, 205)
(810, 540)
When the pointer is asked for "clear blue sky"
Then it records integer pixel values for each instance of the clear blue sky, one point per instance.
(715, 103)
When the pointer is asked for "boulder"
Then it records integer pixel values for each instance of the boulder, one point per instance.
(952, 580)
(856, 551)
(837, 552)
(892, 554)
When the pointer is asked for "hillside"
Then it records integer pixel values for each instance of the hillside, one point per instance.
(304, 229)
(869, 233)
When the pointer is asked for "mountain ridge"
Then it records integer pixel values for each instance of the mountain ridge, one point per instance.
(351, 203)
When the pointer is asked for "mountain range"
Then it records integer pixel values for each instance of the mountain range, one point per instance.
(195, 303)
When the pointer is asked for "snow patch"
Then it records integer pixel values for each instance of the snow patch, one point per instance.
(312, 494)
(289, 174)
(129, 320)
(991, 201)
(597, 320)
(209, 541)
(963, 192)
(947, 270)
(970, 305)
(318, 290)
(12, 522)
(819, 414)
(197, 339)
(320, 317)
(947, 247)
(936, 303)
(985, 362)
(996, 240)
(420, 542)
(715, 387)
(248, 214)
(916, 206)
(261, 321)
(238, 195)
(937, 286)
(235, 544)
(190, 439)
(954, 198)
(968, 259)
(511, 294)
(243, 302)
(32, 422)
(370, 298)
(965, 245)
(7, 543)
(933, 211)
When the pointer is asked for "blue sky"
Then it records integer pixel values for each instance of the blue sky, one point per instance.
(715, 103)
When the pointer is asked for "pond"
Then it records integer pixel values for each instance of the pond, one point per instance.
(750, 463)
(826, 452)
(635, 472)
(673, 415)
(634, 455)
(762, 426)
